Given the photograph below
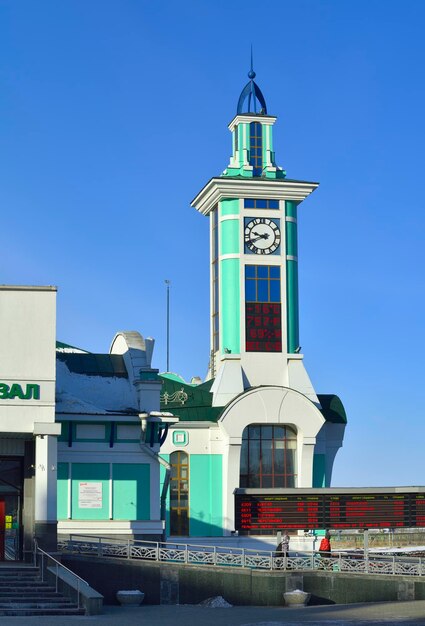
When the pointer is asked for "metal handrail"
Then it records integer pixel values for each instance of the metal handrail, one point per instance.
(242, 557)
(58, 565)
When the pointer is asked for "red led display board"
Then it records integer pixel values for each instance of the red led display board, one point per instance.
(317, 509)
(263, 323)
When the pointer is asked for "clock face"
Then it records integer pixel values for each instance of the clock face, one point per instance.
(262, 236)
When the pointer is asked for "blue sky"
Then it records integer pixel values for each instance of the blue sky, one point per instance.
(113, 115)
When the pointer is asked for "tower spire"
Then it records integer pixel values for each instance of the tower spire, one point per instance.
(252, 93)
(251, 73)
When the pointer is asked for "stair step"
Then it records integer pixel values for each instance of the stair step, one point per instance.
(25, 571)
(19, 581)
(25, 590)
(39, 603)
(6, 565)
(4, 597)
(5, 602)
(39, 588)
(23, 593)
(40, 611)
(18, 572)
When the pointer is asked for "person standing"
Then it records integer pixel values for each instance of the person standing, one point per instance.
(283, 548)
(325, 547)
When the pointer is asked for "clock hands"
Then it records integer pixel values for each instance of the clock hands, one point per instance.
(263, 236)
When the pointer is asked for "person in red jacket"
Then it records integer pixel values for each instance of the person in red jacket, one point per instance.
(325, 545)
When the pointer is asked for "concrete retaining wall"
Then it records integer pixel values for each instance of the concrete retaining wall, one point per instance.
(166, 583)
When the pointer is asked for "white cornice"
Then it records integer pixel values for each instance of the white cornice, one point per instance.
(267, 120)
(28, 288)
(280, 189)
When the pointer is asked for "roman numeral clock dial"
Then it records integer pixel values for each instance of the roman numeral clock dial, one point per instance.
(262, 235)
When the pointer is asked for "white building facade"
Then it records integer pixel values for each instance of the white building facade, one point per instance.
(80, 432)
(28, 430)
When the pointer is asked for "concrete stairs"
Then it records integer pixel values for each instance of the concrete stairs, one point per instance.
(22, 592)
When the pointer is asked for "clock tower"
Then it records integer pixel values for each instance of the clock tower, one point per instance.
(256, 422)
(253, 208)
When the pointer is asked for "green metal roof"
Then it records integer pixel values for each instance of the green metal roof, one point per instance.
(332, 409)
(66, 346)
(198, 405)
(94, 364)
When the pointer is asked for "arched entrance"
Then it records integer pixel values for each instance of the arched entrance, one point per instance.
(268, 456)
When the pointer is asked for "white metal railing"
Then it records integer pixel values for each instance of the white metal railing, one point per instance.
(220, 556)
(42, 558)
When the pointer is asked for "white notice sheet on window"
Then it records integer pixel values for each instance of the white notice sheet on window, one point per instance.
(90, 495)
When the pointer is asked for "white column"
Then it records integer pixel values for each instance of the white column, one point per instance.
(231, 472)
(45, 478)
(305, 475)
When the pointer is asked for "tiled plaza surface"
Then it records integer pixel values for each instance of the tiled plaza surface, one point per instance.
(336, 615)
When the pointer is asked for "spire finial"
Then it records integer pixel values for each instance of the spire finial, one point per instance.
(251, 73)
(252, 93)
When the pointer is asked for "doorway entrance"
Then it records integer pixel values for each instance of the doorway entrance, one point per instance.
(179, 494)
(11, 490)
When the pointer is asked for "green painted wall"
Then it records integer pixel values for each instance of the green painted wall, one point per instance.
(292, 314)
(206, 495)
(291, 208)
(230, 305)
(291, 239)
(229, 237)
(131, 491)
(292, 305)
(90, 472)
(319, 470)
(229, 206)
(62, 483)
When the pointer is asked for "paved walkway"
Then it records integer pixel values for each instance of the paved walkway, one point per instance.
(394, 613)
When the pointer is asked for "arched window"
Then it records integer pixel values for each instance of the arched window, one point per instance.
(179, 494)
(268, 456)
(256, 147)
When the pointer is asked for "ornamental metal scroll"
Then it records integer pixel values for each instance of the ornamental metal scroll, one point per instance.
(178, 396)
